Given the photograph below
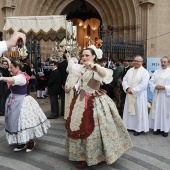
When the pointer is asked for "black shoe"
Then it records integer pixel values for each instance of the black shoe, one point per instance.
(45, 96)
(137, 133)
(52, 117)
(164, 134)
(157, 132)
(30, 146)
(38, 98)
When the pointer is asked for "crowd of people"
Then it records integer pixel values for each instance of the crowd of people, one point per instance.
(99, 103)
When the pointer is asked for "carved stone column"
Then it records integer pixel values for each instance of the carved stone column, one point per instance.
(146, 5)
(8, 8)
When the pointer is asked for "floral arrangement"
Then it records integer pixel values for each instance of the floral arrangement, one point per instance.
(98, 42)
(23, 51)
(16, 52)
(13, 54)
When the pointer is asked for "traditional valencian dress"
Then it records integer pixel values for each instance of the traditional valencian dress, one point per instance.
(24, 119)
(95, 131)
(70, 84)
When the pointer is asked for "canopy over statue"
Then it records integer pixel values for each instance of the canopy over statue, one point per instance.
(55, 28)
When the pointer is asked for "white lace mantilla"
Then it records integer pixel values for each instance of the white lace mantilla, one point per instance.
(77, 114)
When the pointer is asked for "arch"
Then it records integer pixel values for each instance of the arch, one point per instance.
(38, 6)
(31, 8)
(46, 6)
(120, 13)
(106, 8)
(114, 13)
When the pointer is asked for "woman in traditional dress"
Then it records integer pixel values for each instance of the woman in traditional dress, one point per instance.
(95, 131)
(24, 119)
(70, 89)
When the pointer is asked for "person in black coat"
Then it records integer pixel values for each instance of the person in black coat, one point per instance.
(54, 89)
(42, 81)
(62, 69)
(123, 94)
(3, 86)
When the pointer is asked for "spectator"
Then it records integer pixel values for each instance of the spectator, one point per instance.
(54, 89)
(115, 83)
(3, 85)
(62, 66)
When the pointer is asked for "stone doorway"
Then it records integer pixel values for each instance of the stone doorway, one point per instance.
(86, 18)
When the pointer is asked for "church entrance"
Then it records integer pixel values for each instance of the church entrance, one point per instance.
(118, 42)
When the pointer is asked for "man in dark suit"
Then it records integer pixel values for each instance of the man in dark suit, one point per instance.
(115, 83)
(3, 86)
(54, 89)
(62, 69)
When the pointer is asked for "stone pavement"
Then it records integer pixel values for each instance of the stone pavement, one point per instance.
(150, 152)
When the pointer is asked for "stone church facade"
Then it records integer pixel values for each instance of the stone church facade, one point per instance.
(143, 20)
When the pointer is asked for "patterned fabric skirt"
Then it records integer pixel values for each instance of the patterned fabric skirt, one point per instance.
(108, 141)
(32, 123)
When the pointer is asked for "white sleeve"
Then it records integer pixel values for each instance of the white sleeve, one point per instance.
(19, 80)
(109, 75)
(3, 47)
(167, 86)
(167, 89)
(142, 85)
(75, 69)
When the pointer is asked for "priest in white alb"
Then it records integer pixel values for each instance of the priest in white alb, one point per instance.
(159, 119)
(135, 114)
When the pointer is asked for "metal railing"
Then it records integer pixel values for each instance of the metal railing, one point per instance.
(116, 47)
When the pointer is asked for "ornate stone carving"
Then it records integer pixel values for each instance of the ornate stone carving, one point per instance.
(13, 3)
(9, 6)
(150, 2)
(128, 27)
(10, 3)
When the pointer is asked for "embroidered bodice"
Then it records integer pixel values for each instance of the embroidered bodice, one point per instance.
(89, 86)
(20, 85)
(89, 80)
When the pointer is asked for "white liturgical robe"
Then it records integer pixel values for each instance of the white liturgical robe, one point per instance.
(135, 114)
(160, 112)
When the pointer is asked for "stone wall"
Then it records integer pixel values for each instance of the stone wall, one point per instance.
(134, 19)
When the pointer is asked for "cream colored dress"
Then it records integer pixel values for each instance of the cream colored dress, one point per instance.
(109, 139)
(70, 83)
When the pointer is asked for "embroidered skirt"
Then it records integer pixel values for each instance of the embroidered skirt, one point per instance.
(109, 139)
(32, 122)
